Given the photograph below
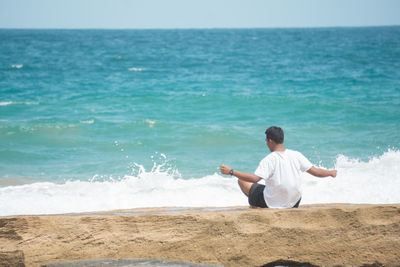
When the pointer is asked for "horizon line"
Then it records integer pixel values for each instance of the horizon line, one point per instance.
(200, 28)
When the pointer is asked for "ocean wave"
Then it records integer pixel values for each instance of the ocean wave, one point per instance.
(17, 66)
(87, 122)
(375, 181)
(148, 189)
(149, 122)
(136, 69)
(7, 103)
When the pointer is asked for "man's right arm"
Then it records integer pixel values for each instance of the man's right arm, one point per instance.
(248, 177)
(322, 172)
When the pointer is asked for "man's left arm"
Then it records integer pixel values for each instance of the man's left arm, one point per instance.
(306, 165)
(318, 172)
(248, 177)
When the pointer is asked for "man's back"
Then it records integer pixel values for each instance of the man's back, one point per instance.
(281, 172)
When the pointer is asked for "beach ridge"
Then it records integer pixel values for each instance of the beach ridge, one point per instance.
(321, 235)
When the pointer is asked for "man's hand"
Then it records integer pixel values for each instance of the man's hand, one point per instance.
(225, 169)
(333, 173)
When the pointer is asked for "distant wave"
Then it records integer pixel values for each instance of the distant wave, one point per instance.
(136, 69)
(87, 122)
(375, 181)
(7, 103)
(150, 122)
(17, 66)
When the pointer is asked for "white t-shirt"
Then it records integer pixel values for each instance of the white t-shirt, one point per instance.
(281, 172)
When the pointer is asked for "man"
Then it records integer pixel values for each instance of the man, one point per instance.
(281, 171)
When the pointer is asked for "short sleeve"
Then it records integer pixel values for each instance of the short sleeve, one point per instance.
(264, 169)
(305, 164)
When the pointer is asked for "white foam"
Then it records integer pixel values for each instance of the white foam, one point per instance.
(150, 122)
(87, 122)
(136, 69)
(7, 103)
(17, 66)
(375, 181)
(147, 190)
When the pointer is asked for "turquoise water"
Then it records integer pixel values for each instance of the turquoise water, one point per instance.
(100, 104)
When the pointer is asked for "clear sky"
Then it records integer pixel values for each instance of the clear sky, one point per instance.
(139, 14)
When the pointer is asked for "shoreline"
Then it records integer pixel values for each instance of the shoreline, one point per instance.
(185, 210)
(317, 234)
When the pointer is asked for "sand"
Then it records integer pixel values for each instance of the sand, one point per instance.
(321, 235)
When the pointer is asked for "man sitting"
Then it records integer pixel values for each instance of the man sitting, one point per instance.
(281, 171)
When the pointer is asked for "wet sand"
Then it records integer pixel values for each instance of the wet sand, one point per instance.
(321, 235)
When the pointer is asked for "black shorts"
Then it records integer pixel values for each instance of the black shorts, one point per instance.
(256, 196)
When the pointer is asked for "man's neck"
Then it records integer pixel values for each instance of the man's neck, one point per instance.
(279, 148)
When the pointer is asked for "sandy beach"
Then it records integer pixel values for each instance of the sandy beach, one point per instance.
(321, 235)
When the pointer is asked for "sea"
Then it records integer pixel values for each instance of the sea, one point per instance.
(95, 120)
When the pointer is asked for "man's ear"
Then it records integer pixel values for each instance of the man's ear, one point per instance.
(272, 142)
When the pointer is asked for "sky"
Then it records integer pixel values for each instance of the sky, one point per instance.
(161, 14)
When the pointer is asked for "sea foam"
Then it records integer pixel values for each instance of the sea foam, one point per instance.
(7, 103)
(375, 181)
(17, 66)
(136, 69)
